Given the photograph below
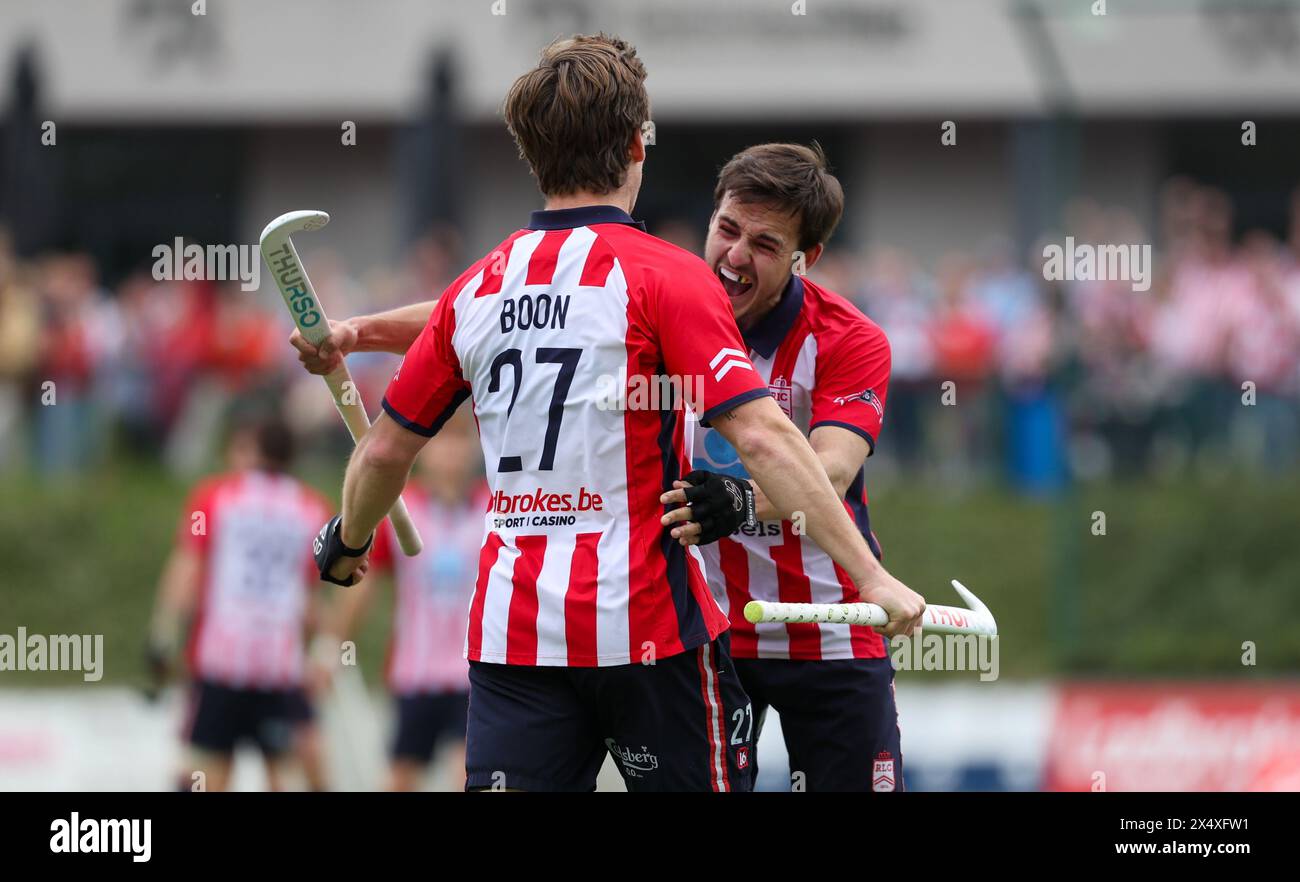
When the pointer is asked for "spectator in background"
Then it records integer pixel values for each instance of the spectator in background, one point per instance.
(1033, 419)
(235, 355)
(682, 233)
(1191, 328)
(70, 352)
(1109, 322)
(432, 262)
(141, 367)
(20, 323)
(1262, 341)
(893, 294)
(963, 339)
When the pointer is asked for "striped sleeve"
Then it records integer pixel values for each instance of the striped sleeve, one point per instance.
(852, 380)
(699, 338)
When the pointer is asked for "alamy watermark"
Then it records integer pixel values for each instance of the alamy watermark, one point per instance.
(946, 652)
(78, 835)
(55, 652)
(1084, 262)
(215, 263)
(648, 391)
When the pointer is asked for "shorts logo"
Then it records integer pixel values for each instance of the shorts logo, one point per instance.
(866, 395)
(732, 358)
(882, 773)
(635, 765)
(742, 757)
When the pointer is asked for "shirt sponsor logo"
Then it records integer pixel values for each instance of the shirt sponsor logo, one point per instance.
(541, 509)
(540, 500)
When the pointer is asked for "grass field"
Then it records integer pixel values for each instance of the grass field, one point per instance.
(1184, 575)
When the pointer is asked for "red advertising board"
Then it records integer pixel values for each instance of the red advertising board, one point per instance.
(1175, 736)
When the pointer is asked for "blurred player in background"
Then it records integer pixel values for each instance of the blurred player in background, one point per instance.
(241, 578)
(827, 366)
(427, 672)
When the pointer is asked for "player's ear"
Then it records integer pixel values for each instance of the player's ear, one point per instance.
(636, 150)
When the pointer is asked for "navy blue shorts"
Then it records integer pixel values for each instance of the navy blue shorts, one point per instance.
(838, 718)
(221, 717)
(427, 719)
(683, 723)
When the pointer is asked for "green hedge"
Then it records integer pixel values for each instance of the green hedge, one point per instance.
(1184, 575)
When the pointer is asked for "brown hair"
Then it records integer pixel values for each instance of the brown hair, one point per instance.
(574, 114)
(271, 436)
(791, 178)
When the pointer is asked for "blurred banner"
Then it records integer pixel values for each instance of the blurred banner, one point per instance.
(1183, 737)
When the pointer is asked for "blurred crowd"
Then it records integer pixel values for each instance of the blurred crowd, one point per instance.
(1089, 378)
(159, 369)
(997, 373)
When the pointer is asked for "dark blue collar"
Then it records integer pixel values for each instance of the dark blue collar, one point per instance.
(585, 216)
(771, 329)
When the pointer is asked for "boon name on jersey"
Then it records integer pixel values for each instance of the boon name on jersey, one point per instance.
(529, 311)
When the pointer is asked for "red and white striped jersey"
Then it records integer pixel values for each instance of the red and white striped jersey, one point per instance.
(434, 589)
(252, 531)
(557, 333)
(827, 365)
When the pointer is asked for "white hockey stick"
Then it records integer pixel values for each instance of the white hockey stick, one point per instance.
(309, 316)
(936, 620)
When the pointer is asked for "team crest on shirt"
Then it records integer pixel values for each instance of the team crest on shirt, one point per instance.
(882, 773)
(867, 395)
(742, 757)
(780, 389)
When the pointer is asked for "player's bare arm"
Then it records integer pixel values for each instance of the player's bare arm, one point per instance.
(178, 592)
(374, 480)
(348, 611)
(342, 618)
(841, 453)
(339, 621)
(793, 478)
(392, 331)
